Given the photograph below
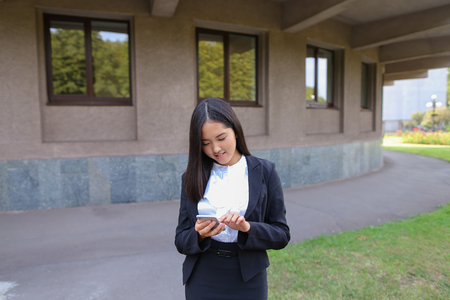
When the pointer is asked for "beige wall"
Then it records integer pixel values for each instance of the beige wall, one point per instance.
(164, 73)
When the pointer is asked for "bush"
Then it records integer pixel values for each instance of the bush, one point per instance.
(441, 118)
(410, 124)
(431, 138)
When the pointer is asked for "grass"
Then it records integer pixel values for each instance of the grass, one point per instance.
(408, 259)
(394, 142)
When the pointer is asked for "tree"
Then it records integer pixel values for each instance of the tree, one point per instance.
(416, 120)
(410, 124)
(441, 118)
(417, 117)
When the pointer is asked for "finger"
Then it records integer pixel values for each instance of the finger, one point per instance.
(203, 223)
(224, 219)
(235, 218)
(213, 225)
(210, 226)
(207, 230)
(239, 220)
(218, 229)
(201, 226)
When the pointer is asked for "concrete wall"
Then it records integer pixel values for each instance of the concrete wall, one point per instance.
(164, 84)
(54, 183)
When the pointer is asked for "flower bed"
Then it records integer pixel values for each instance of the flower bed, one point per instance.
(431, 138)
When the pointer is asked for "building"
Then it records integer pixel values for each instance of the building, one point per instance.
(406, 97)
(96, 96)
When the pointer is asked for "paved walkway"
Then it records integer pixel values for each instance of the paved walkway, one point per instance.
(126, 251)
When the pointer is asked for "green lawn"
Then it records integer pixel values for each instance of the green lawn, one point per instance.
(408, 259)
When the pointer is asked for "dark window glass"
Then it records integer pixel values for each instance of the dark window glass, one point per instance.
(88, 61)
(365, 85)
(227, 66)
(320, 75)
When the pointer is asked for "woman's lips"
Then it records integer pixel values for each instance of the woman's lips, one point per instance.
(220, 156)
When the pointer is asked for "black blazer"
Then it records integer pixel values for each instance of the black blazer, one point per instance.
(266, 213)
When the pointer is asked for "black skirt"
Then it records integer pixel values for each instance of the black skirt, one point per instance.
(216, 278)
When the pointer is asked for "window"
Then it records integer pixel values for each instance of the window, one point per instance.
(367, 85)
(87, 60)
(320, 77)
(227, 66)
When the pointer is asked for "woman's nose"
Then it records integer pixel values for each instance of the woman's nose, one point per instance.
(216, 148)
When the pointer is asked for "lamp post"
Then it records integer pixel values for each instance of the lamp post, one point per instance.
(433, 104)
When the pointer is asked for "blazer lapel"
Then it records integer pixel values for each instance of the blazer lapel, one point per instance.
(254, 183)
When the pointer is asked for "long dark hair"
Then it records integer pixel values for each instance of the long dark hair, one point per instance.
(199, 164)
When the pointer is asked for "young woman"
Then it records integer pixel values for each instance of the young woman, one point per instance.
(244, 192)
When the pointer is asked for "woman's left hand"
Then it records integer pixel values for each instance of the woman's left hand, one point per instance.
(235, 221)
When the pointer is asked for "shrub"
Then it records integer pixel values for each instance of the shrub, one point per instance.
(441, 118)
(431, 138)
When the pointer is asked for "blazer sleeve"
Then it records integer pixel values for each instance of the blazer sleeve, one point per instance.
(186, 238)
(268, 225)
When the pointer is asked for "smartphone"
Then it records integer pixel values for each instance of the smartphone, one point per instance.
(203, 218)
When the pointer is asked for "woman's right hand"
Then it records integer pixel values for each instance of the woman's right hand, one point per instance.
(205, 229)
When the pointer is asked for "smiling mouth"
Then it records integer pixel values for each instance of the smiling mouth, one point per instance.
(220, 156)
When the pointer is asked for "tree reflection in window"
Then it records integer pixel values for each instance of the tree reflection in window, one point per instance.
(227, 66)
(89, 59)
(68, 57)
(110, 59)
(211, 66)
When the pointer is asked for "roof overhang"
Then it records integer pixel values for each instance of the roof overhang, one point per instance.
(412, 35)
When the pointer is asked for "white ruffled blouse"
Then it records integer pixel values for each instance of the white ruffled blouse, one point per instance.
(227, 191)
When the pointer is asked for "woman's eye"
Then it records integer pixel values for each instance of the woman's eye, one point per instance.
(222, 139)
(205, 144)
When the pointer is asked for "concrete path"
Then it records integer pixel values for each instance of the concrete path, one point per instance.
(126, 251)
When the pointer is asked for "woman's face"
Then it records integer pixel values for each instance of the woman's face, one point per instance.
(219, 143)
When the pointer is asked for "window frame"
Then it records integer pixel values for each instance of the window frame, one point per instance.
(338, 75)
(315, 103)
(77, 99)
(226, 34)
